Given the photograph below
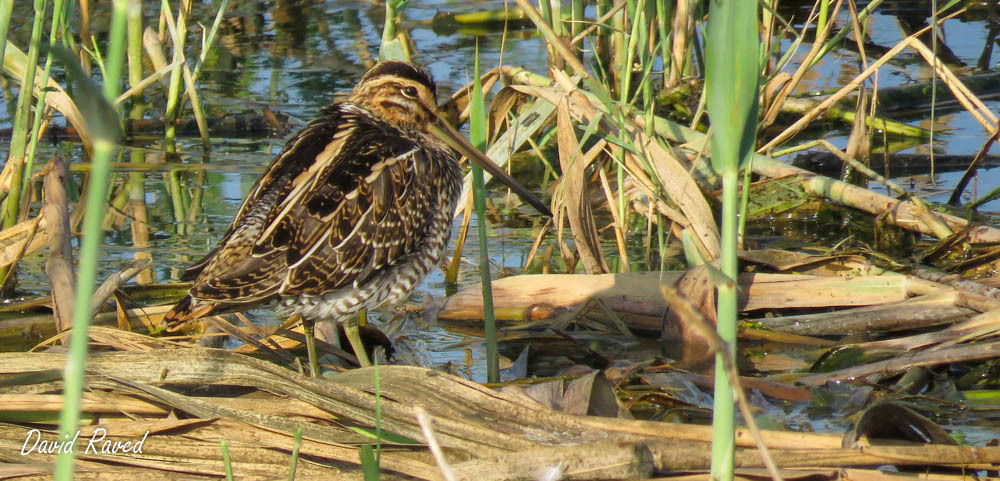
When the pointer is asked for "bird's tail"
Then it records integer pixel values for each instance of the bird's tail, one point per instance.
(185, 310)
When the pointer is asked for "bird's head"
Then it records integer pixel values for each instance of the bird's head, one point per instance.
(398, 93)
(405, 96)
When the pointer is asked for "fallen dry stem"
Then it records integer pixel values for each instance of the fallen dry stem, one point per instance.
(488, 428)
(427, 429)
(847, 88)
(116, 280)
(933, 222)
(969, 100)
(969, 352)
(804, 67)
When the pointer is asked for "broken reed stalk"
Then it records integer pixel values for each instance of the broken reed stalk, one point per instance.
(59, 267)
(104, 148)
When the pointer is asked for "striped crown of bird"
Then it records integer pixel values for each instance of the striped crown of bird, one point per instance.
(352, 214)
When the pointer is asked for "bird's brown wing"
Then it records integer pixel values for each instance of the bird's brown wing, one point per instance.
(333, 208)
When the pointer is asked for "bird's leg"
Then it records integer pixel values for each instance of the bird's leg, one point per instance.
(351, 328)
(309, 328)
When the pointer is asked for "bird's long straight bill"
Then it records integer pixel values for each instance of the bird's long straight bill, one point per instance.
(454, 139)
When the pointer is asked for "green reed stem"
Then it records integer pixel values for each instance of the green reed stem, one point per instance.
(210, 39)
(477, 135)
(58, 17)
(731, 80)
(392, 8)
(664, 14)
(295, 454)
(137, 180)
(134, 47)
(179, 37)
(371, 458)
(20, 132)
(368, 467)
(824, 13)
(19, 136)
(104, 148)
(6, 10)
(227, 462)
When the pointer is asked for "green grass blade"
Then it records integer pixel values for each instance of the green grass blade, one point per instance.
(105, 138)
(477, 135)
(731, 81)
(227, 462)
(6, 9)
(210, 39)
(369, 465)
(295, 454)
(58, 15)
(22, 114)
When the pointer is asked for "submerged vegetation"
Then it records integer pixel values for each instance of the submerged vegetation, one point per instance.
(869, 314)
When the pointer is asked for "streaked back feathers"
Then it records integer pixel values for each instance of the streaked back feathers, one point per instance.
(360, 189)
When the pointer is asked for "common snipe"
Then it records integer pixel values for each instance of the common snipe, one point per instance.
(352, 214)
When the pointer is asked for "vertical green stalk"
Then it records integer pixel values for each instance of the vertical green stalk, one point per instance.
(104, 147)
(134, 26)
(824, 8)
(732, 77)
(661, 241)
(477, 135)
(227, 462)
(137, 180)
(621, 56)
(646, 60)
(393, 48)
(392, 8)
(19, 136)
(602, 38)
(210, 39)
(576, 24)
(20, 133)
(58, 16)
(295, 454)
(664, 14)
(174, 90)
(626, 66)
(6, 10)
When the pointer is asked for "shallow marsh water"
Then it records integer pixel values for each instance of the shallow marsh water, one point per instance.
(296, 57)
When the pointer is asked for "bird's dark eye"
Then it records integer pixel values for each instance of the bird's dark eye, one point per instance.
(410, 92)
